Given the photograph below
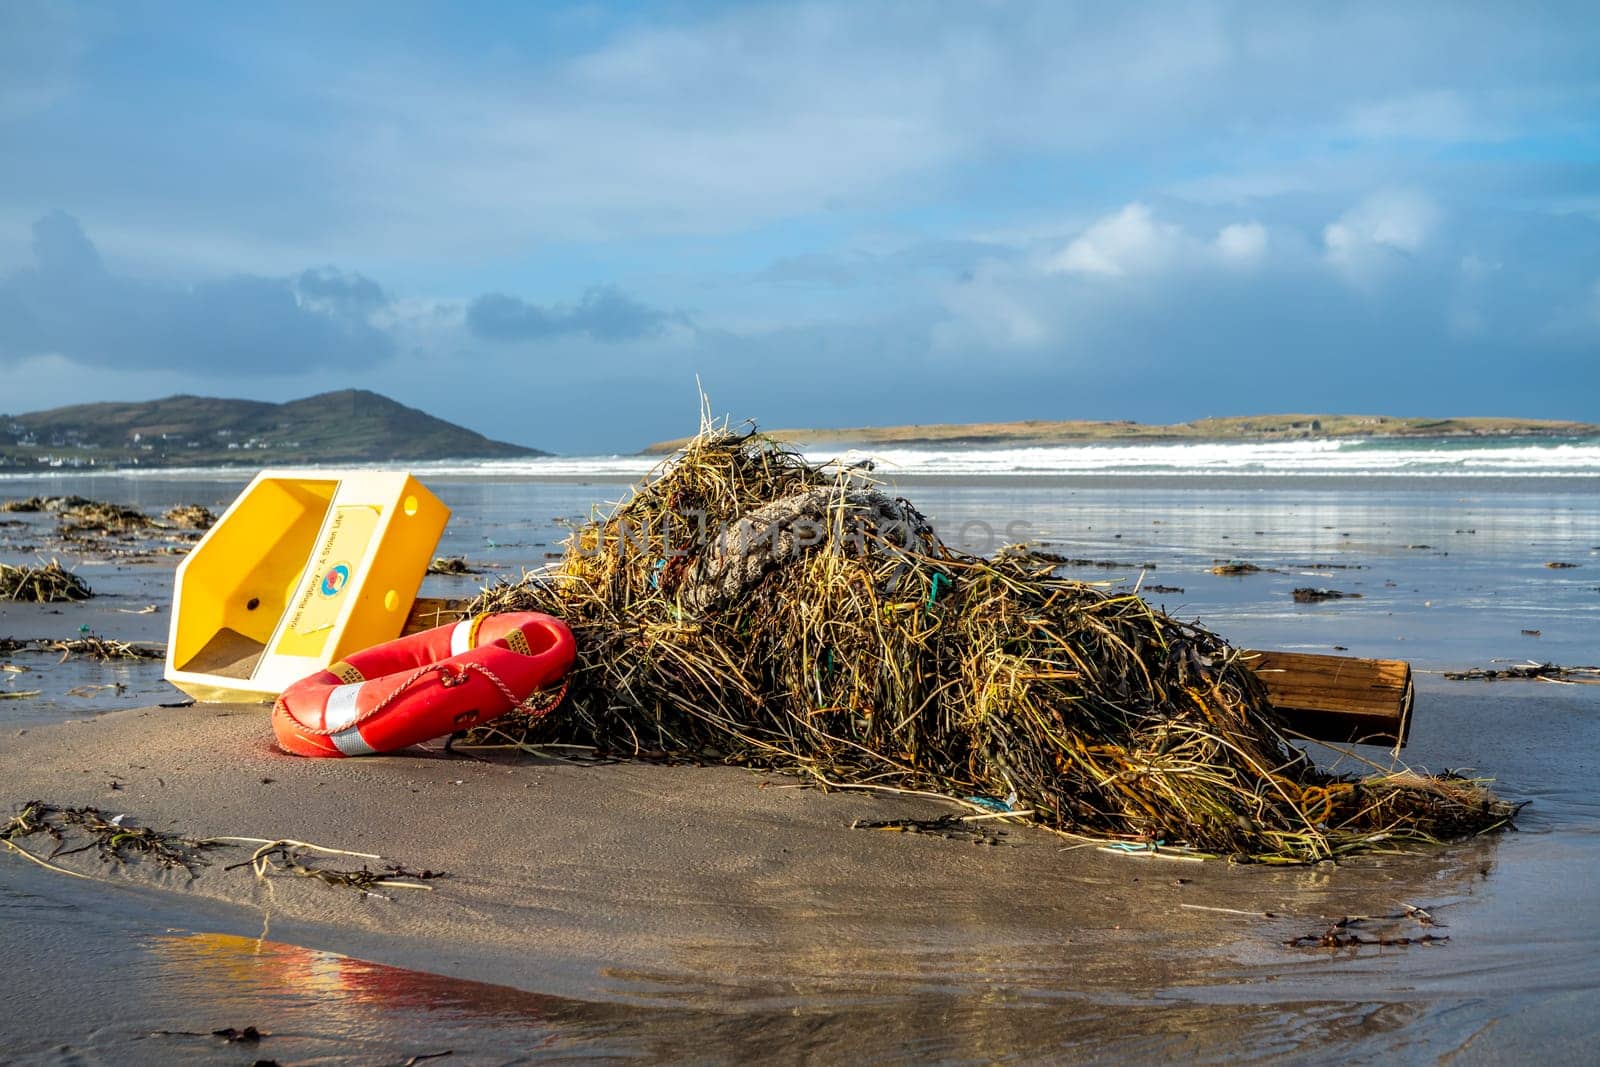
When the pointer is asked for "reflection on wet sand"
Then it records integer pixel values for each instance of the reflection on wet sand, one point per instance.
(321, 1006)
(328, 997)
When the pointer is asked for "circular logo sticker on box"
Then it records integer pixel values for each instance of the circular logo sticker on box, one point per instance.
(335, 580)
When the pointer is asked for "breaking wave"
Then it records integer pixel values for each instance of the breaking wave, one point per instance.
(1444, 458)
(1512, 458)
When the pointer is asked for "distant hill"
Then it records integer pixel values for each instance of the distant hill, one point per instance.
(353, 425)
(1233, 428)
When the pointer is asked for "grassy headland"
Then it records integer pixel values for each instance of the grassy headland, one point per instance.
(352, 425)
(1231, 428)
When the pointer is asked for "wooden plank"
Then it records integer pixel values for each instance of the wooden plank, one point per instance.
(1343, 699)
(428, 612)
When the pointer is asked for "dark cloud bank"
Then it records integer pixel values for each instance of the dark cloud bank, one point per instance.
(67, 302)
(605, 313)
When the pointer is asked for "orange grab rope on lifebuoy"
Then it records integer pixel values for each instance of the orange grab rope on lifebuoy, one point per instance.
(425, 685)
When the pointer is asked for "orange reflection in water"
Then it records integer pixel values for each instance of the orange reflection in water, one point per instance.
(226, 967)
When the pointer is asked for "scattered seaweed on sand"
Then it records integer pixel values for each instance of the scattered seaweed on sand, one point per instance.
(82, 518)
(190, 517)
(49, 583)
(118, 841)
(1055, 559)
(1538, 672)
(1349, 932)
(452, 565)
(1308, 595)
(949, 827)
(290, 857)
(44, 503)
(102, 649)
(113, 839)
(96, 518)
(793, 616)
(249, 1035)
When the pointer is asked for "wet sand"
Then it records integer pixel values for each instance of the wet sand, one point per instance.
(641, 897)
(640, 868)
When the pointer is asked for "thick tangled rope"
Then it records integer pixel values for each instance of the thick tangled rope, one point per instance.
(779, 533)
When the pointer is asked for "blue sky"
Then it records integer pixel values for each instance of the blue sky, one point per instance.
(544, 221)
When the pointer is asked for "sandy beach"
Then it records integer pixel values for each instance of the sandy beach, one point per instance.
(617, 910)
(686, 891)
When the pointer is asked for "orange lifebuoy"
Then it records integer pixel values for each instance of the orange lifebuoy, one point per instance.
(424, 686)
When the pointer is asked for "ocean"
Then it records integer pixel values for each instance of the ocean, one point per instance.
(1460, 457)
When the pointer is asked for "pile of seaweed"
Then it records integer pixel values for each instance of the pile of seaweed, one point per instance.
(90, 646)
(44, 503)
(48, 583)
(96, 518)
(82, 515)
(746, 606)
(81, 518)
(190, 517)
(452, 565)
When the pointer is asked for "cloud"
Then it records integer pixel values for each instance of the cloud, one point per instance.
(1131, 240)
(1134, 242)
(332, 290)
(1242, 243)
(1398, 220)
(1128, 282)
(604, 313)
(68, 303)
(1375, 235)
(354, 146)
(62, 250)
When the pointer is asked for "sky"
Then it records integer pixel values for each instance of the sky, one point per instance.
(549, 222)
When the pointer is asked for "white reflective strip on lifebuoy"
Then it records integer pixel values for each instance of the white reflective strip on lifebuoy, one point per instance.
(351, 743)
(461, 637)
(340, 711)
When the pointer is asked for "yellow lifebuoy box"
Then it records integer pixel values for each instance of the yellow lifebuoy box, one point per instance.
(304, 567)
